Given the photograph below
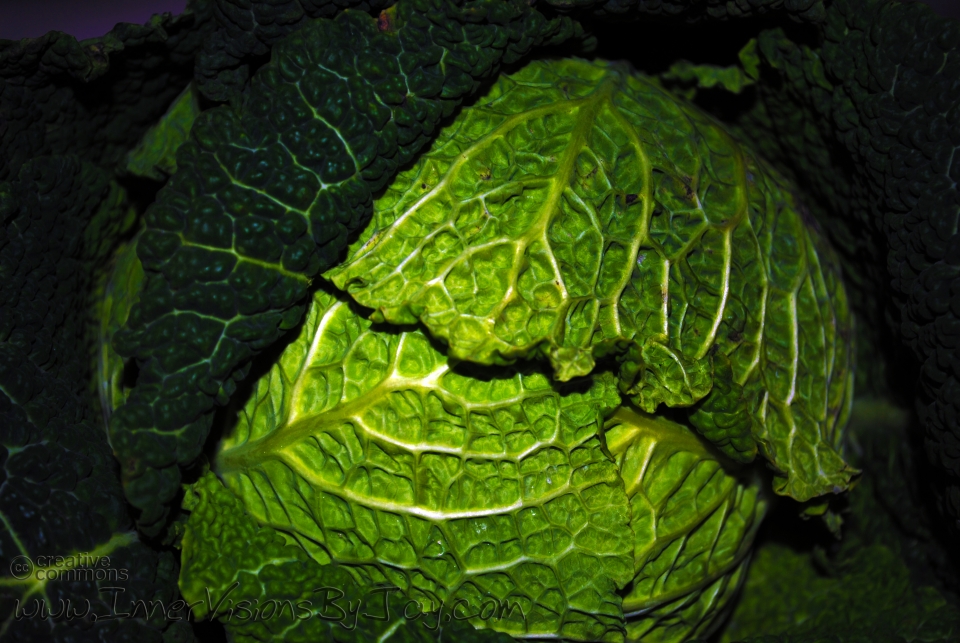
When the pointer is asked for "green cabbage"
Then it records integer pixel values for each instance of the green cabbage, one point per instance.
(674, 330)
(579, 213)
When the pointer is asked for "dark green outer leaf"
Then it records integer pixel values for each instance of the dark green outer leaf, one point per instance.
(94, 99)
(266, 195)
(869, 600)
(579, 210)
(695, 10)
(874, 585)
(59, 492)
(870, 119)
(247, 29)
(733, 79)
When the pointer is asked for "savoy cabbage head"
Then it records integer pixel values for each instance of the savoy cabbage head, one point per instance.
(582, 250)
(357, 321)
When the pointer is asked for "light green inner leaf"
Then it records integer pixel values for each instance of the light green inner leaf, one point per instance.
(366, 446)
(579, 210)
(694, 515)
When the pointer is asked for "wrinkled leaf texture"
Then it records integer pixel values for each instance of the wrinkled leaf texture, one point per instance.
(265, 196)
(365, 447)
(368, 448)
(578, 210)
(228, 559)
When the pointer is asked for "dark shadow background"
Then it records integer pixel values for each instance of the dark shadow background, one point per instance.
(91, 18)
(946, 8)
(85, 19)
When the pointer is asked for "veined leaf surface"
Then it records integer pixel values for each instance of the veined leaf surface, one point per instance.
(694, 514)
(263, 588)
(579, 210)
(368, 448)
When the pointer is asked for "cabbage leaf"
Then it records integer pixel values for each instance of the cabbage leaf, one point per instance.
(578, 210)
(368, 447)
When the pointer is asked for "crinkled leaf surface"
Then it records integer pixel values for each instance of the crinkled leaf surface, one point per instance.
(870, 599)
(579, 210)
(59, 494)
(263, 588)
(368, 448)
(878, 584)
(694, 515)
(840, 116)
(267, 193)
(245, 30)
(94, 98)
